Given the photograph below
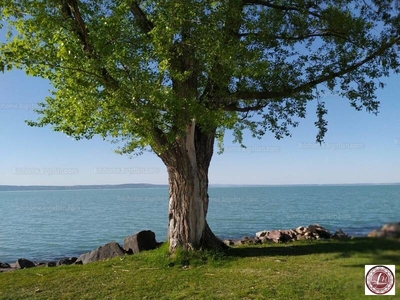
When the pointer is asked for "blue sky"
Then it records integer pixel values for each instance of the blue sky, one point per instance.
(360, 148)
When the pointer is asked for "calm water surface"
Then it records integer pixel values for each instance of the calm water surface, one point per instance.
(46, 225)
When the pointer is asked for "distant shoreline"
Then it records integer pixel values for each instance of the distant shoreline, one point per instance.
(8, 188)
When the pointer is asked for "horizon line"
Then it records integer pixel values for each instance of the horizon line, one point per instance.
(210, 185)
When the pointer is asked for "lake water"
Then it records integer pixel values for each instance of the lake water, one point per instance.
(46, 225)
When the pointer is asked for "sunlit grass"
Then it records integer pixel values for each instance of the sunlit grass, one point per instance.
(300, 270)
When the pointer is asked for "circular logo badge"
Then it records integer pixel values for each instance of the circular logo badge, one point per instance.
(380, 280)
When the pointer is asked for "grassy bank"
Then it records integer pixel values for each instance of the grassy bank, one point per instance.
(300, 270)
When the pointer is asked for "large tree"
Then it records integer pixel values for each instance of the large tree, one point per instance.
(172, 76)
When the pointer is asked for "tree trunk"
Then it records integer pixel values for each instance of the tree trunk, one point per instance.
(187, 161)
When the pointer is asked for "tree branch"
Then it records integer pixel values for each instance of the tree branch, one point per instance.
(70, 10)
(280, 7)
(159, 138)
(144, 23)
(290, 91)
(298, 37)
(245, 109)
(231, 28)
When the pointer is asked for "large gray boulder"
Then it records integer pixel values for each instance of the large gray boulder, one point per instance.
(109, 250)
(23, 263)
(141, 241)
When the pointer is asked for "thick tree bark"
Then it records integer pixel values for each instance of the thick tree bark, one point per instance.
(187, 162)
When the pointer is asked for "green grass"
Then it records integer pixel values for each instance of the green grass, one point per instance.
(299, 270)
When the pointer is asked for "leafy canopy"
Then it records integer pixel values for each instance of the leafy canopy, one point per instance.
(139, 71)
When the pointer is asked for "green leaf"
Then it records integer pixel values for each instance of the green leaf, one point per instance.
(141, 76)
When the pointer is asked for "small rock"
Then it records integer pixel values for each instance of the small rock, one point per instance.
(41, 264)
(300, 237)
(228, 242)
(261, 234)
(323, 233)
(340, 235)
(300, 229)
(311, 228)
(51, 264)
(5, 266)
(266, 240)
(141, 241)
(66, 261)
(73, 259)
(238, 242)
(252, 241)
(392, 227)
(376, 234)
(274, 235)
(109, 250)
(23, 263)
(391, 230)
(289, 235)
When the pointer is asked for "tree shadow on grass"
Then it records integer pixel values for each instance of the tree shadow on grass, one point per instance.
(344, 249)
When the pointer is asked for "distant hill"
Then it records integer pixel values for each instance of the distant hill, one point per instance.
(78, 187)
(148, 185)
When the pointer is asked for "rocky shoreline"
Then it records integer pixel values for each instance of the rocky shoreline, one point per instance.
(311, 232)
(138, 242)
(145, 240)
